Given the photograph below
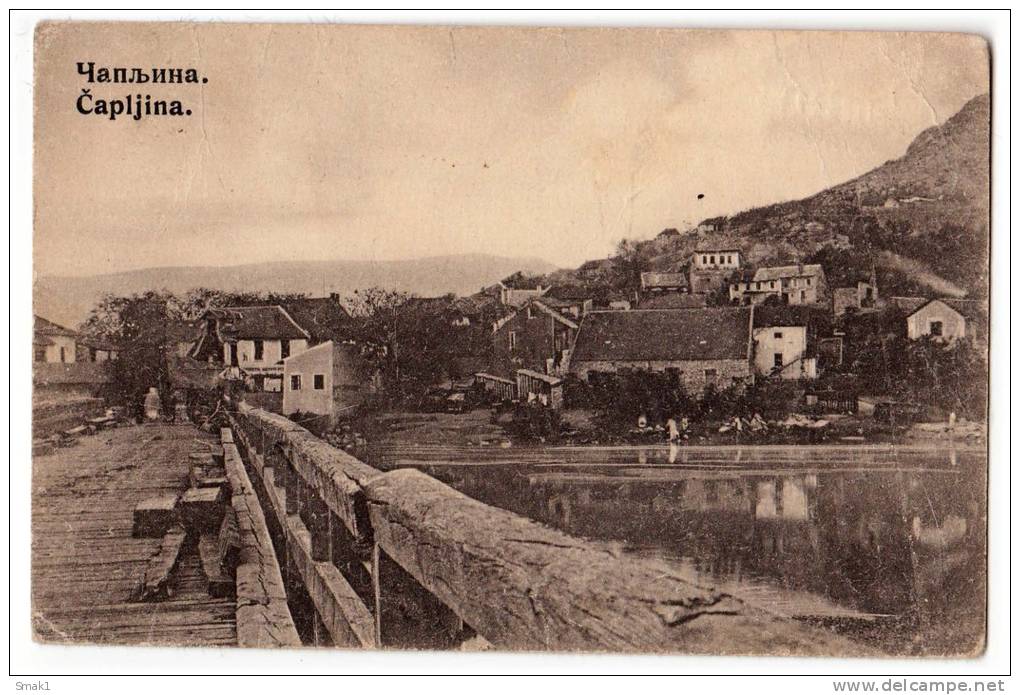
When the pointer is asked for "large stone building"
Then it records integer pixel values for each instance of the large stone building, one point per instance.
(791, 284)
(697, 346)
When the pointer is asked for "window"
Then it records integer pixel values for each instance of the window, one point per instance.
(260, 349)
(63, 354)
(295, 382)
(319, 382)
(729, 259)
(711, 259)
(40, 354)
(809, 282)
(513, 340)
(777, 360)
(935, 328)
(233, 354)
(284, 349)
(710, 375)
(778, 335)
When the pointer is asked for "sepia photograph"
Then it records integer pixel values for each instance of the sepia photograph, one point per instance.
(631, 340)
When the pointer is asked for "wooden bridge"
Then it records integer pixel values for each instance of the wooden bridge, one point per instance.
(328, 551)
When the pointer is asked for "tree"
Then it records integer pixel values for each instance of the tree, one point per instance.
(138, 326)
(631, 260)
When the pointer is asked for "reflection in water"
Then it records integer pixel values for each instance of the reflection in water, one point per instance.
(901, 540)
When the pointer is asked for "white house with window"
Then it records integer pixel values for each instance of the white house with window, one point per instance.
(52, 342)
(328, 380)
(723, 259)
(251, 342)
(792, 284)
(946, 319)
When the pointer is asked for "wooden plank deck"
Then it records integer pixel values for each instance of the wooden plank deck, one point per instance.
(85, 563)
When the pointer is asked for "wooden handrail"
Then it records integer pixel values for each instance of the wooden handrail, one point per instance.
(514, 582)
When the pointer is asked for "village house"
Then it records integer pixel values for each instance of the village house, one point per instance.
(709, 269)
(863, 297)
(698, 347)
(947, 320)
(785, 341)
(792, 284)
(535, 336)
(519, 296)
(96, 349)
(328, 380)
(569, 300)
(52, 342)
(657, 283)
(595, 271)
(251, 342)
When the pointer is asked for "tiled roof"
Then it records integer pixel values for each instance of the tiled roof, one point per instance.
(46, 327)
(664, 334)
(792, 315)
(249, 322)
(652, 279)
(907, 305)
(787, 271)
(673, 301)
(322, 317)
(968, 308)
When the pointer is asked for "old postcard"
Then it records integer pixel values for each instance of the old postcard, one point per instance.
(495, 338)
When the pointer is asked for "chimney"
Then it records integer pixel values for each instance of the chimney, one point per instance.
(335, 296)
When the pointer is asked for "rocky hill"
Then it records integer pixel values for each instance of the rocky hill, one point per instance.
(922, 219)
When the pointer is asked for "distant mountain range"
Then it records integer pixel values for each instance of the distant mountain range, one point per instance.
(68, 300)
(921, 219)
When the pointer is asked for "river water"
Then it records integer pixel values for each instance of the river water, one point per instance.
(885, 544)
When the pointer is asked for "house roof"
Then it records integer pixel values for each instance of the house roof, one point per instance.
(46, 327)
(791, 315)
(724, 250)
(673, 301)
(654, 279)
(322, 317)
(664, 334)
(907, 305)
(787, 271)
(568, 292)
(967, 308)
(264, 322)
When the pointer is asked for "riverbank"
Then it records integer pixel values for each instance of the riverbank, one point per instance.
(476, 428)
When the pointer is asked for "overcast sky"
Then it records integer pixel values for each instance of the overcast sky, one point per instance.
(313, 142)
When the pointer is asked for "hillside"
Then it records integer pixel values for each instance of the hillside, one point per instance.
(68, 300)
(928, 209)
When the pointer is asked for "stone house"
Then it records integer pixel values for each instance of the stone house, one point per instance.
(328, 380)
(251, 342)
(52, 342)
(710, 269)
(785, 342)
(519, 296)
(535, 336)
(792, 284)
(661, 283)
(948, 320)
(697, 346)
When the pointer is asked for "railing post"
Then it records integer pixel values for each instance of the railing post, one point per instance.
(292, 488)
(316, 517)
(377, 594)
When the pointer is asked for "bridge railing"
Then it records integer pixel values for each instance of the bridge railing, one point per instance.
(400, 559)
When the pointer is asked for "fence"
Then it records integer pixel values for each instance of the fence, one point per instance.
(400, 559)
